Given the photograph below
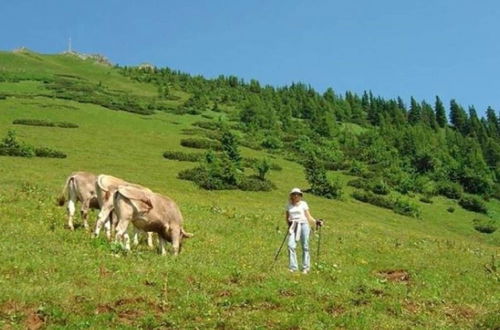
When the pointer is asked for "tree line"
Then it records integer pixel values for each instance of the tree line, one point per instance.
(412, 147)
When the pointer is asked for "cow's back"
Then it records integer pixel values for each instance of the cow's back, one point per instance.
(84, 184)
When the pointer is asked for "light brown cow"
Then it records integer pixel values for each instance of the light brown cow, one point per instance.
(148, 211)
(105, 187)
(79, 187)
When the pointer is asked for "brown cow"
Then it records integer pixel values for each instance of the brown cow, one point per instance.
(79, 187)
(148, 211)
(105, 187)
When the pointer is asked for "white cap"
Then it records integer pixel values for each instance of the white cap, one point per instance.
(296, 191)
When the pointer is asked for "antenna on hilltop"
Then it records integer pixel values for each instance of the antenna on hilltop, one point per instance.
(69, 45)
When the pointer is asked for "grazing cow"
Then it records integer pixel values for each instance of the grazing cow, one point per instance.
(105, 187)
(148, 211)
(79, 187)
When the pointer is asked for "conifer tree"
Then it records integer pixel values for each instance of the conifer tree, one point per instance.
(440, 112)
(493, 122)
(428, 116)
(458, 117)
(414, 114)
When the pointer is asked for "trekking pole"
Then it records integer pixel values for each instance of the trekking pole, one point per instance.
(318, 228)
(279, 250)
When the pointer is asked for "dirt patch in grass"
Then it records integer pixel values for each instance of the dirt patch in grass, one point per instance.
(34, 320)
(395, 275)
(129, 310)
(224, 293)
(459, 312)
(377, 292)
(103, 271)
(12, 310)
(286, 293)
(335, 309)
(412, 307)
(9, 307)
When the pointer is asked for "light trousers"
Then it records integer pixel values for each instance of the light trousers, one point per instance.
(292, 245)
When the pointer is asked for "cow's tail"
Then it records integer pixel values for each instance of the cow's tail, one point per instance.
(185, 234)
(62, 198)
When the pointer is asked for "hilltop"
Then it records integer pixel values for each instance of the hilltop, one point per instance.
(127, 118)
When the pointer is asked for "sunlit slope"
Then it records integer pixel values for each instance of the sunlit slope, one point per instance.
(222, 277)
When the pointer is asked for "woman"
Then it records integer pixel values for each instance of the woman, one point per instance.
(297, 216)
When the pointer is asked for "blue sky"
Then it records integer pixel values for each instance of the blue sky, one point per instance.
(449, 48)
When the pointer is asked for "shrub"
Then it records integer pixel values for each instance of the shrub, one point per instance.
(216, 180)
(424, 185)
(371, 198)
(254, 183)
(41, 122)
(473, 203)
(451, 209)
(320, 184)
(496, 191)
(84, 91)
(201, 144)
(359, 183)
(358, 169)
(405, 184)
(64, 124)
(426, 199)
(380, 187)
(249, 162)
(229, 144)
(210, 125)
(49, 153)
(272, 142)
(485, 226)
(276, 167)
(11, 147)
(262, 167)
(202, 177)
(183, 156)
(406, 207)
(475, 183)
(450, 189)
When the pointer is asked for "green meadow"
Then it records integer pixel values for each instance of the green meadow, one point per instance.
(376, 269)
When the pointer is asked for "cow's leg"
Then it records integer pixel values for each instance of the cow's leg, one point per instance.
(126, 238)
(136, 236)
(150, 239)
(107, 227)
(121, 232)
(71, 213)
(102, 219)
(176, 241)
(84, 211)
(71, 205)
(113, 222)
(163, 251)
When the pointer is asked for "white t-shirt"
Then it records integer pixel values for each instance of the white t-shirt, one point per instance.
(297, 212)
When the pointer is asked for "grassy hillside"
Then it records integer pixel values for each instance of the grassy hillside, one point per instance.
(447, 273)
